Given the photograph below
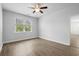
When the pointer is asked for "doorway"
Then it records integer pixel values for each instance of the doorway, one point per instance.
(75, 31)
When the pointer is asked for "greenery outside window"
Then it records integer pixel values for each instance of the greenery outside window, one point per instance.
(23, 25)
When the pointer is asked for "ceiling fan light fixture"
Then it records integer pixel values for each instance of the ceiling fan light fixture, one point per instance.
(37, 10)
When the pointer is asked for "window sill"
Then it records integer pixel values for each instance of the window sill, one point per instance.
(23, 32)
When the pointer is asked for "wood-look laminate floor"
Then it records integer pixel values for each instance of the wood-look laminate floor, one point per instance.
(38, 47)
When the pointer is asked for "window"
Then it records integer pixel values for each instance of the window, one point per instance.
(23, 25)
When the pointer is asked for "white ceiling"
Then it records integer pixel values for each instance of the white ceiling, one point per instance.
(23, 8)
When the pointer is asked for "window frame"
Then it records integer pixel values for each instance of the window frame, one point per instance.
(23, 24)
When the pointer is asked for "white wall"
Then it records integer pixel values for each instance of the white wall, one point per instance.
(55, 26)
(0, 27)
(9, 21)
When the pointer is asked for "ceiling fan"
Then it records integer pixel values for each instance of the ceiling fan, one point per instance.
(38, 8)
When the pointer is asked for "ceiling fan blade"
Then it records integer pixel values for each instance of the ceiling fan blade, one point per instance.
(33, 11)
(43, 7)
(41, 11)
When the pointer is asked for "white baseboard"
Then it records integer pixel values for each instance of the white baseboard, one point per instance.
(18, 40)
(47, 38)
